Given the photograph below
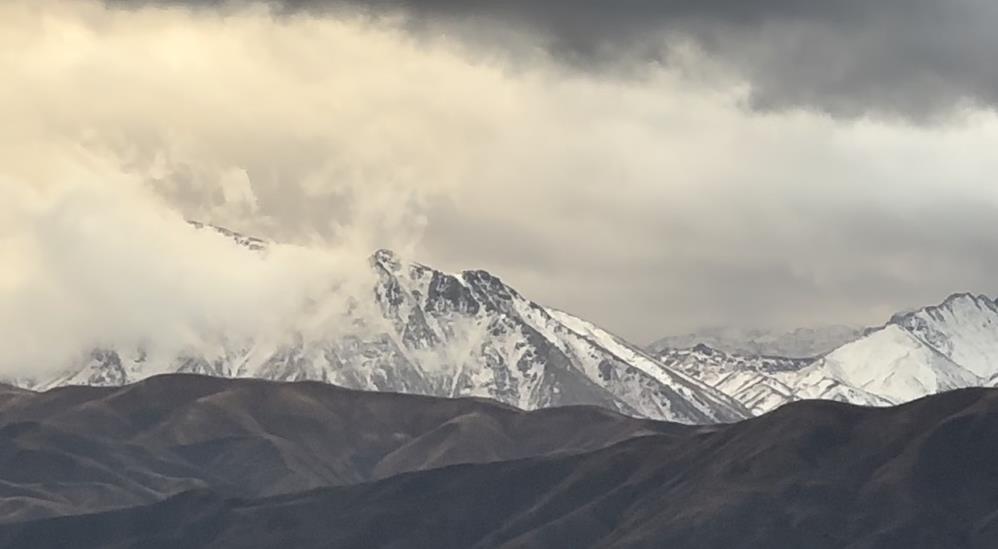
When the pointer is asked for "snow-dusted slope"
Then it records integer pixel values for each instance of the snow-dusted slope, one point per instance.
(895, 365)
(688, 390)
(443, 334)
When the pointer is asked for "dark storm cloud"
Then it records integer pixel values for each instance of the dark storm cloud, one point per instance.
(918, 59)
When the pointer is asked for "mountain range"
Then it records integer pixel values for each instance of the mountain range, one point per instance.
(424, 331)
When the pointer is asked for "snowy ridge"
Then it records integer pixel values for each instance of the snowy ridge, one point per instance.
(964, 328)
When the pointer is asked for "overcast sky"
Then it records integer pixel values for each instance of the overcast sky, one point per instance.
(653, 166)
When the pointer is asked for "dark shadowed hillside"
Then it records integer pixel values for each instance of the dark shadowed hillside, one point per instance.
(79, 449)
(811, 474)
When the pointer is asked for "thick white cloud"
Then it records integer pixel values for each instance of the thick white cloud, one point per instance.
(105, 263)
(647, 204)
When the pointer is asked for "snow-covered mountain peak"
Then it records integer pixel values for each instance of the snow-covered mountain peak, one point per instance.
(964, 328)
(441, 334)
(956, 305)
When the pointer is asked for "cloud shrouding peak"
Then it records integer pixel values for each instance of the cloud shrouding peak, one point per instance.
(108, 266)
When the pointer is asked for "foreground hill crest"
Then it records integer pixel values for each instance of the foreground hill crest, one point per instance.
(194, 461)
